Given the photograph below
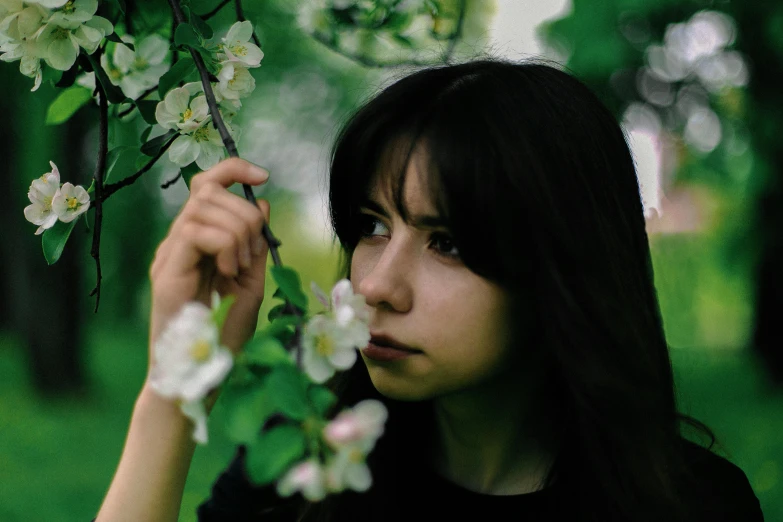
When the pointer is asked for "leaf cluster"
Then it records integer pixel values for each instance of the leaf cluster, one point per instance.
(273, 407)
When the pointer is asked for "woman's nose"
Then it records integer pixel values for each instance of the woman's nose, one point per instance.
(386, 282)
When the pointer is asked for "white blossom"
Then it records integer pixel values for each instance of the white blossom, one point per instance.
(188, 362)
(20, 21)
(348, 469)
(238, 48)
(357, 427)
(203, 145)
(49, 4)
(73, 13)
(41, 193)
(330, 340)
(235, 81)
(70, 202)
(60, 40)
(307, 477)
(139, 70)
(197, 413)
(178, 112)
(353, 434)
(29, 52)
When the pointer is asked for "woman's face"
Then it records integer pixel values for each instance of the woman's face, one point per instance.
(421, 295)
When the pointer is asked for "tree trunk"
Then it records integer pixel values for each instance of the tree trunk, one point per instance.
(42, 304)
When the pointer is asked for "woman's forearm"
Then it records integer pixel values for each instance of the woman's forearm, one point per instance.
(151, 476)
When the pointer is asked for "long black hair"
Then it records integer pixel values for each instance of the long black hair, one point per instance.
(535, 179)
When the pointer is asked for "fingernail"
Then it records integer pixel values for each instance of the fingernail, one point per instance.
(262, 172)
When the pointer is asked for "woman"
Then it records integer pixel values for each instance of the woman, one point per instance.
(490, 214)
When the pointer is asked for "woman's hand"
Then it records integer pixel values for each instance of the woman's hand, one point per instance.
(214, 243)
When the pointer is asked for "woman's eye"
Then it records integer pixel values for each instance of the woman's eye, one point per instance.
(444, 245)
(372, 226)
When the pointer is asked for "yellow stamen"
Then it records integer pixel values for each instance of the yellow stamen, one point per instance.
(73, 203)
(239, 50)
(140, 64)
(61, 33)
(201, 134)
(68, 8)
(200, 350)
(324, 346)
(356, 456)
(187, 114)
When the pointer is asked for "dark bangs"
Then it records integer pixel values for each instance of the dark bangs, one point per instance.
(438, 111)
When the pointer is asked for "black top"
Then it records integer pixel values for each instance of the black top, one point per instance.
(727, 497)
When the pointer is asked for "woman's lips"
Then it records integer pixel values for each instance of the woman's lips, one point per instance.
(385, 350)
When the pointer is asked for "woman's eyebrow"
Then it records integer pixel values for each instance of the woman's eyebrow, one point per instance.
(416, 220)
(370, 204)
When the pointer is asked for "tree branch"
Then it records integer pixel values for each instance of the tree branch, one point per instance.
(241, 18)
(217, 120)
(170, 182)
(215, 11)
(141, 97)
(114, 187)
(100, 167)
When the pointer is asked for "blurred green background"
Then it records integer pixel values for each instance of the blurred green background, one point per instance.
(693, 81)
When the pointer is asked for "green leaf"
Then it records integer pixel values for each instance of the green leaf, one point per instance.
(247, 408)
(266, 351)
(275, 312)
(290, 284)
(121, 161)
(68, 77)
(114, 37)
(54, 239)
(219, 315)
(188, 172)
(176, 74)
(50, 75)
(119, 4)
(152, 147)
(321, 398)
(274, 451)
(66, 104)
(201, 27)
(282, 328)
(141, 161)
(145, 134)
(185, 34)
(287, 387)
(147, 110)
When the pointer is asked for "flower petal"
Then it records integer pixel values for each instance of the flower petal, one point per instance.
(184, 151)
(343, 359)
(195, 411)
(316, 367)
(240, 31)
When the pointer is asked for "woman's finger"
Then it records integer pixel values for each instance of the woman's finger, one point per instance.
(195, 241)
(206, 212)
(228, 172)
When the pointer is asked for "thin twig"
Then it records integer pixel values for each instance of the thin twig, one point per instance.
(141, 97)
(170, 182)
(215, 11)
(241, 18)
(217, 121)
(114, 187)
(100, 167)
(231, 147)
